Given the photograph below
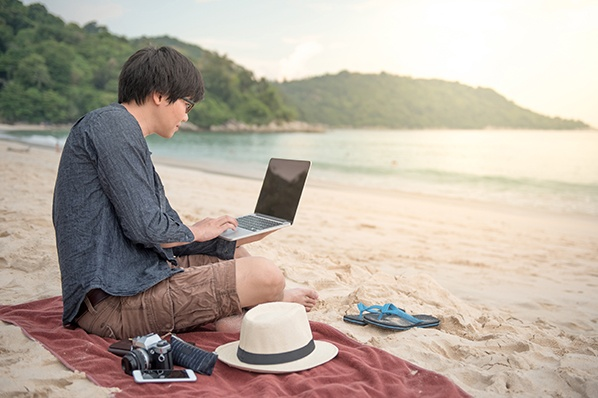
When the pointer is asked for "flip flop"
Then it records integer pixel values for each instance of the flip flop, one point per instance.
(358, 319)
(391, 317)
(427, 321)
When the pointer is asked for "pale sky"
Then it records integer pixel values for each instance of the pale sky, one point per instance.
(540, 54)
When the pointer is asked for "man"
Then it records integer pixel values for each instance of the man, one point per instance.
(129, 265)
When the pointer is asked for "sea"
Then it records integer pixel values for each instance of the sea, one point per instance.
(555, 171)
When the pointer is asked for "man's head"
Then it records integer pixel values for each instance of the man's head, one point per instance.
(162, 70)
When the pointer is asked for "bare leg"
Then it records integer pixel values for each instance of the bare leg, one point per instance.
(306, 297)
(231, 324)
(261, 281)
(241, 252)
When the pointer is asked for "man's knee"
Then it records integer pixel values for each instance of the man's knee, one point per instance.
(261, 274)
(271, 276)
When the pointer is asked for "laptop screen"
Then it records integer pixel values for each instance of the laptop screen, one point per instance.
(282, 188)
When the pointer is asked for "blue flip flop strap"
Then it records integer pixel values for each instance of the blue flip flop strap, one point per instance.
(372, 308)
(391, 309)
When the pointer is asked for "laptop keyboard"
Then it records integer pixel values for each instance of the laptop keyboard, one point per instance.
(254, 223)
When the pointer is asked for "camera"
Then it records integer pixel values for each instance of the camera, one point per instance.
(147, 352)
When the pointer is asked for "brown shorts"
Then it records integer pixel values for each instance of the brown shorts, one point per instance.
(205, 292)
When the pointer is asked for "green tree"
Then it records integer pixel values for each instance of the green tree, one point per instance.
(32, 71)
(59, 58)
(106, 73)
(13, 102)
(254, 111)
(210, 112)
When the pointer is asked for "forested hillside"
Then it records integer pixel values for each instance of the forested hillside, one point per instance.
(53, 72)
(383, 100)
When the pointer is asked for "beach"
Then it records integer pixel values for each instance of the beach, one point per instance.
(515, 289)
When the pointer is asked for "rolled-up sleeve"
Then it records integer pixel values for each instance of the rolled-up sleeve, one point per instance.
(216, 247)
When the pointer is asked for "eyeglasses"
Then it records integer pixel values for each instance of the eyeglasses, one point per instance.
(190, 104)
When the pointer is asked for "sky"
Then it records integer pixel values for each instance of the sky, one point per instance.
(540, 54)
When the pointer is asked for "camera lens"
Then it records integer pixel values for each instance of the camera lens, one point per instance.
(137, 359)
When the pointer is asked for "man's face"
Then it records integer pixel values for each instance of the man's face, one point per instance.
(171, 115)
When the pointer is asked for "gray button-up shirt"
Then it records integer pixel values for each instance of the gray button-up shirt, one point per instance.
(111, 215)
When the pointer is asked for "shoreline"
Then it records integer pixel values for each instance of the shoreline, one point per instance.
(231, 126)
(207, 167)
(296, 126)
(514, 289)
(33, 127)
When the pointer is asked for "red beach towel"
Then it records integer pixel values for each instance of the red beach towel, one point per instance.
(358, 370)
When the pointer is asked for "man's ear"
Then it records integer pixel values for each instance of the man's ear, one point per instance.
(157, 98)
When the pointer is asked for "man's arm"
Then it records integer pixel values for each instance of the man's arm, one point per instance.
(128, 179)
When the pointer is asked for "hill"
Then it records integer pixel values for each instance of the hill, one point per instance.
(388, 101)
(53, 72)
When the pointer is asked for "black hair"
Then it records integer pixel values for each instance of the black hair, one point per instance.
(161, 70)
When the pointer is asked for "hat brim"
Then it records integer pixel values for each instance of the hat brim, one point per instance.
(323, 353)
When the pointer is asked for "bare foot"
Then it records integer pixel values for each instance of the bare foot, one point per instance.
(231, 324)
(306, 297)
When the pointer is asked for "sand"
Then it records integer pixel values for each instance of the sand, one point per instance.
(515, 289)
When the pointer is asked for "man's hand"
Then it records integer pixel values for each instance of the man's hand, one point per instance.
(210, 228)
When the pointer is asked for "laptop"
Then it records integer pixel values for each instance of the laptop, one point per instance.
(278, 200)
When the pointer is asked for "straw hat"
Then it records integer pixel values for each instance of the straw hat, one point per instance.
(276, 338)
